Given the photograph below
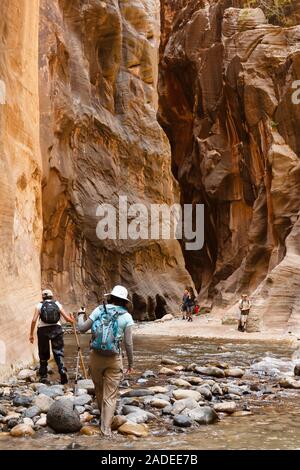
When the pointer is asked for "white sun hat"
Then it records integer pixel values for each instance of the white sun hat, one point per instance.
(120, 292)
(47, 293)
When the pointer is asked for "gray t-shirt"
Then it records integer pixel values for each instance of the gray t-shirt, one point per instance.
(39, 306)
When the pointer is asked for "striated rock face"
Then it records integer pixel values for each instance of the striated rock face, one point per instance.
(226, 85)
(100, 139)
(20, 189)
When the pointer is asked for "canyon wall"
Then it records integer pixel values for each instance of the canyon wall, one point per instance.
(20, 189)
(226, 103)
(100, 139)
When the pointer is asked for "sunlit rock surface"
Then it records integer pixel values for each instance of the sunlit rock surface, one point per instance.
(20, 188)
(100, 139)
(226, 85)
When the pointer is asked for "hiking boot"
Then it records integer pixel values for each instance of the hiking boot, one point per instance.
(63, 376)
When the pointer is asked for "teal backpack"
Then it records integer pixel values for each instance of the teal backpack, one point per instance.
(105, 330)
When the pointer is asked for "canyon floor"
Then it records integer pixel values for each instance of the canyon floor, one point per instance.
(211, 327)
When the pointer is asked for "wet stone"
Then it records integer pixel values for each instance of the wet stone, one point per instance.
(182, 421)
(148, 374)
(22, 400)
(139, 392)
(32, 412)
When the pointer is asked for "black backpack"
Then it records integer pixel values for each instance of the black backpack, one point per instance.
(50, 312)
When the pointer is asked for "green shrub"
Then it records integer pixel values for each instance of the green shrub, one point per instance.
(275, 10)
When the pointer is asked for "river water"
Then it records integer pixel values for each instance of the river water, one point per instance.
(274, 424)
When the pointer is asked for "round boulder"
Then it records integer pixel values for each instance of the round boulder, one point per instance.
(62, 417)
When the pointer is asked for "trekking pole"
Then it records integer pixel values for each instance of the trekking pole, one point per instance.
(80, 353)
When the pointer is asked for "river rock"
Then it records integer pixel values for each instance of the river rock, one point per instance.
(180, 382)
(130, 401)
(167, 317)
(11, 415)
(32, 412)
(126, 409)
(11, 423)
(234, 372)
(43, 402)
(22, 430)
(138, 392)
(52, 391)
(185, 403)
(22, 400)
(219, 364)
(166, 371)
(297, 369)
(138, 417)
(86, 417)
(241, 413)
(26, 374)
(182, 421)
(91, 430)
(232, 390)
(42, 421)
(287, 382)
(225, 407)
(212, 371)
(117, 422)
(181, 393)
(205, 392)
(28, 421)
(179, 368)
(142, 381)
(82, 400)
(194, 380)
(133, 429)
(202, 415)
(62, 417)
(3, 410)
(159, 389)
(159, 403)
(80, 409)
(191, 367)
(168, 362)
(88, 385)
(163, 396)
(167, 410)
(148, 374)
(79, 392)
(216, 390)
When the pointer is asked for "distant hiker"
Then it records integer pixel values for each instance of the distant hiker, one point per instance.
(48, 312)
(190, 304)
(244, 306)
(183, 307)
(110, 324)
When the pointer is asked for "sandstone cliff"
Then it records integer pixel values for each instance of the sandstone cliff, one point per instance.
(20, 188)
(226, 85)
(100, 139)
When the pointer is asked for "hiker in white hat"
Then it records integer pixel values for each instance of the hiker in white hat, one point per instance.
(110, 324)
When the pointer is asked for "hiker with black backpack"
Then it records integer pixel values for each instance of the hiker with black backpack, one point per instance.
(110, 324)
(48, 313)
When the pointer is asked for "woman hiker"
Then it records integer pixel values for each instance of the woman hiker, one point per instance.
(48, 312)
(110, 324)
(190, 304)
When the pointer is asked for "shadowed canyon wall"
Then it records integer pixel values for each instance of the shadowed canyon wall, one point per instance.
(226, 85)
(20, 189)
(100, 139)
